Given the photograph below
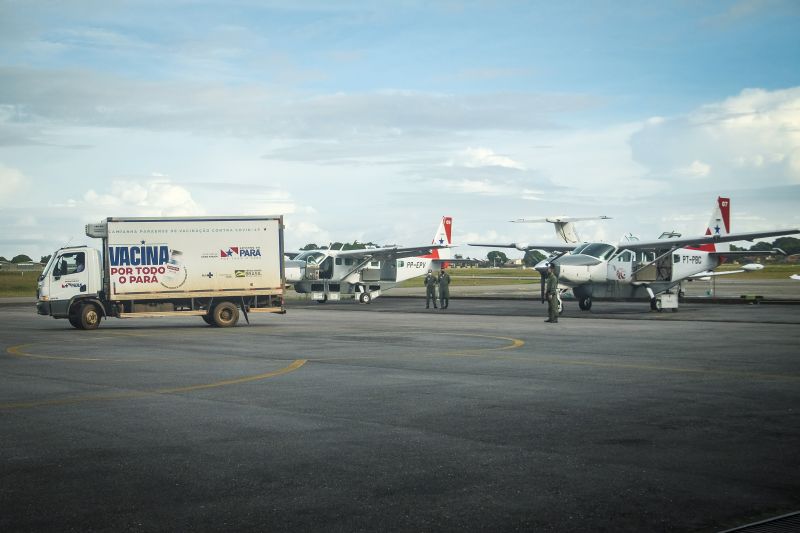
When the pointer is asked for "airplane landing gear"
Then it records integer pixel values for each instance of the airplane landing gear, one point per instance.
(365, 298)
(585, 304)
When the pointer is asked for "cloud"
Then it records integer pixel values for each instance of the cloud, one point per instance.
(753, 136)
(484, 157)
(12, 181)
(90, 99)
(697, 169)
(155, 197)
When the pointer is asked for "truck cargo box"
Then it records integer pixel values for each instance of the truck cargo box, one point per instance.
(192, 257)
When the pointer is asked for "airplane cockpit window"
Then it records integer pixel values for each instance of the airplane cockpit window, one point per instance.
(310, 257)
(599, 250)
(580, 248)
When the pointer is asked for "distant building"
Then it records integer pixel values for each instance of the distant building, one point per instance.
(6, 266)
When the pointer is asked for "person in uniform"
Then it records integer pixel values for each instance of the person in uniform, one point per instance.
(551, 291)
(444, 288)
(430, 289)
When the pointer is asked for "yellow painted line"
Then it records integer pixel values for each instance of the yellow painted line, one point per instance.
(238, 381)
(19, 351)
(140, 394)
(475, 352)
(653, 368)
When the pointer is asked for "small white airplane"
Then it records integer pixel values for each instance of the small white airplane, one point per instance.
(633, 268)
(363, 274)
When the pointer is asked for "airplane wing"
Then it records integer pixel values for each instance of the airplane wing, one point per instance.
(558, 219)
(705, 239)
(708, 274)
(523, 246)
(391, 252)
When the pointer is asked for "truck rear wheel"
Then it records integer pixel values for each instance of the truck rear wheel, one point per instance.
(75, 320)
(225, 315)
(208, 319)
(89, 316)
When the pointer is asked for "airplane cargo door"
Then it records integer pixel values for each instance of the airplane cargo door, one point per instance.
(326, 268)
(620, 268)
(389, 270)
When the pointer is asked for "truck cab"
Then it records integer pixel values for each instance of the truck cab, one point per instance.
(71, 277)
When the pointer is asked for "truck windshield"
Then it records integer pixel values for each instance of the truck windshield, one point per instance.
(47, 267)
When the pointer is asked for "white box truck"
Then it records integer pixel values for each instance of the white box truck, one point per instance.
(212, 267)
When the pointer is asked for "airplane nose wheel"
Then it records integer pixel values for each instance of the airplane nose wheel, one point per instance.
(585, 304)
(365, 298)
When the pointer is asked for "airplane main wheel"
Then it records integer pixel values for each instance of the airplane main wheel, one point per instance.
(585, 304)
(560, 306)
(653, 306)
(658, 306)
(365, 298)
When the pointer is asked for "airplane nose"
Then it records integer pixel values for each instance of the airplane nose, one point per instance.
(541, 266)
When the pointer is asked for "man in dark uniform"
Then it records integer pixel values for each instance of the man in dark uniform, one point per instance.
(430, 289)
(551, 291)
(444, 288)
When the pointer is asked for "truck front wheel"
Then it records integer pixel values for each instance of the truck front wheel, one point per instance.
(89, 317)
(225, 315)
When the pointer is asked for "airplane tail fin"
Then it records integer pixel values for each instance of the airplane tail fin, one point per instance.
(564, 226)
(443, 236)
(719, 225)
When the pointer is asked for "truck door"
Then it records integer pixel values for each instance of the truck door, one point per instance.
(69, 278)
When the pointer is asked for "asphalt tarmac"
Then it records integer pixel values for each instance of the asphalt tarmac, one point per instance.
(390, 417)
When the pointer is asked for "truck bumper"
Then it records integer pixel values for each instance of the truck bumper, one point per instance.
(43, 308)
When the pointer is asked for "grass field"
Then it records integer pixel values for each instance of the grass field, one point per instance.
(18, 283)
(24, 283)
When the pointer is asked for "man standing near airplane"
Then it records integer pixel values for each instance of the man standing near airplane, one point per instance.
(444, 288)
(430, 289)
(551, 290)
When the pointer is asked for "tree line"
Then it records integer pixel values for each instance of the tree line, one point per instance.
(22, 258)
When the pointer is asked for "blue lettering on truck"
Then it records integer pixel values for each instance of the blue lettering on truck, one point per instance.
(138, 255)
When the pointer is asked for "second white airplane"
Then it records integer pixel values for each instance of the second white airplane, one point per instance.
(363, 274)
(635, 269)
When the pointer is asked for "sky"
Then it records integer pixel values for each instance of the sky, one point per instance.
(369, 121)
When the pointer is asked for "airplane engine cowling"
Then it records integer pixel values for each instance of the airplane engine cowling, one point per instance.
(522, 246)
